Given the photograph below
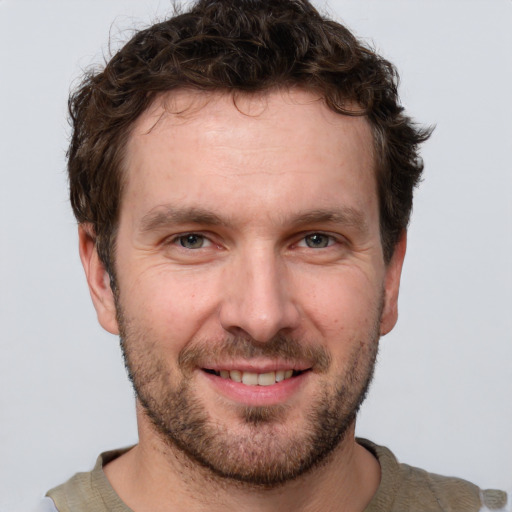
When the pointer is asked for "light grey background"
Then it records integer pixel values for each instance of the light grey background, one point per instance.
(442, 394)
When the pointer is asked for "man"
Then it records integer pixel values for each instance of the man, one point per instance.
(242, 175)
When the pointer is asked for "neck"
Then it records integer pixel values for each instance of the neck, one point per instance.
(154, 476)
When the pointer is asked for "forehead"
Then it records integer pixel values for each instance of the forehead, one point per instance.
(296, 111)
(270, 148)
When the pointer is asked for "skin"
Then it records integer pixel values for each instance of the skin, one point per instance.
(279, 171)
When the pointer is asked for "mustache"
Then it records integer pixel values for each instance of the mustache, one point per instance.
(282, 347)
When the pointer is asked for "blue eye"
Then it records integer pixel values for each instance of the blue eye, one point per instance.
(318, 240)
(192, 241)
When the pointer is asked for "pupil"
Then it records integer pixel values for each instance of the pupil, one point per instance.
(316, 240)
(191, 241)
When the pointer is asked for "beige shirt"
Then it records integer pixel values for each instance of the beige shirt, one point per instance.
(402, 488)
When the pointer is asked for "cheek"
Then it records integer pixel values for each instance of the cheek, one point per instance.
(346, 315)
(342, 305)
(171, 304)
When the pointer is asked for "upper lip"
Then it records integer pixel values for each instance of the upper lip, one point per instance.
(258, 366)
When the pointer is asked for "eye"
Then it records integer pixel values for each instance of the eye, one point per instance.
(192, 241)
(317, 240)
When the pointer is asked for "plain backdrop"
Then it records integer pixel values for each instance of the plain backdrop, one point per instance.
(441, 398)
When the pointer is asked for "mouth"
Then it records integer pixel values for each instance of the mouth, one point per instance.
(260, 384)
(256, 379)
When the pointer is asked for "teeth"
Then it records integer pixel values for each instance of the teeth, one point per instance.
(266, 379)
(235, 375)
(256, 379)
(251, 379)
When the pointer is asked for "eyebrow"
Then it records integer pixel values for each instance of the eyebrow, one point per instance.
(168, 215)
(347, 216)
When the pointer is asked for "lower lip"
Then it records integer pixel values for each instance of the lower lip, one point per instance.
(275, 394)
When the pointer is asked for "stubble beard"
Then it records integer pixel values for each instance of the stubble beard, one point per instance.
(267, 451)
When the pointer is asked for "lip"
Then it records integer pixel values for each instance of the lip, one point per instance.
(259, 366)
(275, 394)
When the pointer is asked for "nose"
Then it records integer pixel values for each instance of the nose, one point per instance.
(257, 297)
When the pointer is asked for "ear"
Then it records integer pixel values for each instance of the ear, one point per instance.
(392, 286)
(97, 279)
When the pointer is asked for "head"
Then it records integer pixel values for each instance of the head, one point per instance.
(243, 175)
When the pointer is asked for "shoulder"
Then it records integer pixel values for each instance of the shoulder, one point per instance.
(74, 494)
(450, 493)
(405, 487)
(89, 491)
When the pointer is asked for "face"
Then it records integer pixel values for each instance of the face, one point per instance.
(252, 285)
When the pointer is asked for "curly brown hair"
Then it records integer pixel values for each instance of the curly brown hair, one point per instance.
(238, 46)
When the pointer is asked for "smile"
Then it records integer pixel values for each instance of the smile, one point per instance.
(255, 379)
